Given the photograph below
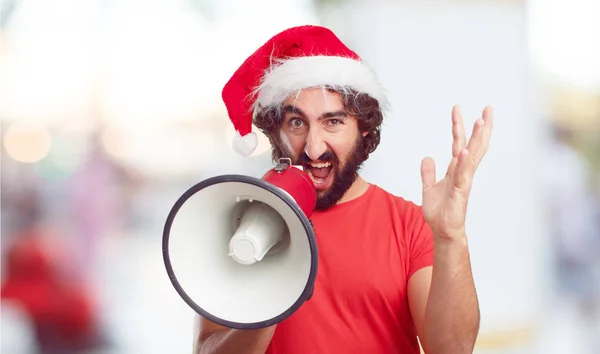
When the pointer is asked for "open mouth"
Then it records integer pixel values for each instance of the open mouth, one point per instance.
(320, 173)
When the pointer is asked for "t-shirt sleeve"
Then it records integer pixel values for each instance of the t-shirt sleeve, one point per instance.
(420, 242)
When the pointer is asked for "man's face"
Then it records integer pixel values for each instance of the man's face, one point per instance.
(318, 133)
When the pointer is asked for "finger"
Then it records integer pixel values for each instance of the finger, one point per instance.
(476, 135)
(458, 131)
(463, 173)
(452, 166)
(489, 123)
(483, 136)
(427, 173)
(476, 142)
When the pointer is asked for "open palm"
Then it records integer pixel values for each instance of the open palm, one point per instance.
(445, 202)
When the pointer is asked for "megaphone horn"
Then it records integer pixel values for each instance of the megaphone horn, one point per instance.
(241, 251)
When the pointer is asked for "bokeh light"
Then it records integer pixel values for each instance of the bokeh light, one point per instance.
(27, 142)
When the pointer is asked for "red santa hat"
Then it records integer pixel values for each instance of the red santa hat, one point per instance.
(297, 58)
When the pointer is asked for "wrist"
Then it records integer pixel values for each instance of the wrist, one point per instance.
(454, 239)
(449, 250)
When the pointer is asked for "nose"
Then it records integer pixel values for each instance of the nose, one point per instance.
(315, 144)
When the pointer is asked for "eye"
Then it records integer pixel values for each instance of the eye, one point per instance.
(334, 122)
(296, 123)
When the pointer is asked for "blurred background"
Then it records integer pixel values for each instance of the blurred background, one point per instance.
(110, 110)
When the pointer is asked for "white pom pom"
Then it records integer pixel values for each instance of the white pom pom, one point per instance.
(246, 144)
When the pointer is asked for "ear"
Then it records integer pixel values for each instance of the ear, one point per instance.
(365, 133)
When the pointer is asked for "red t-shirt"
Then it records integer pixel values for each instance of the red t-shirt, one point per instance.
(368, 249)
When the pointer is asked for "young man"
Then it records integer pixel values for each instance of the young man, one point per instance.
(389, 271)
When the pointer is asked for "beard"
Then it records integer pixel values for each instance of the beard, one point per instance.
(344, 174)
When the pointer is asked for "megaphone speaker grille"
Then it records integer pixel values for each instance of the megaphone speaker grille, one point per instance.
(196, 252)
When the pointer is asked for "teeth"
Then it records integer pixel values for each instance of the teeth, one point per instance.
(320, 164)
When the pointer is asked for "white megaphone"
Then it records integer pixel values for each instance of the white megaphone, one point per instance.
(241, 251)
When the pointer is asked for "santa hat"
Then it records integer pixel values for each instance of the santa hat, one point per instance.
(297, 58)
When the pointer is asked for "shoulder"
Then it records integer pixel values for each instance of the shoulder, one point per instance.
(402, 207)
(404, 216)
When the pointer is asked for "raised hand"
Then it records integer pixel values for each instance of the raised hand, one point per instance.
(445, 202)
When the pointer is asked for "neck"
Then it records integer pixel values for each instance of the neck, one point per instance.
(358, 188)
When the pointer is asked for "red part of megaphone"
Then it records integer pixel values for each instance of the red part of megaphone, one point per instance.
(241, 251)
(296, 183)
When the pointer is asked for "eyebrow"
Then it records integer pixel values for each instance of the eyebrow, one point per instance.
(327, 115)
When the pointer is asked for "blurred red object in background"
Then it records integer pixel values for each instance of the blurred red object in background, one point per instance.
(61, 308)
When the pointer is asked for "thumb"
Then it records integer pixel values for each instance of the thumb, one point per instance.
(427, 173)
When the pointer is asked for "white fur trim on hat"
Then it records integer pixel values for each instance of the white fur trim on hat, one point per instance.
(291, 75)
(245, 145)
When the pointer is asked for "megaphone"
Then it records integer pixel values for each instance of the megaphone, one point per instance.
(241, 251)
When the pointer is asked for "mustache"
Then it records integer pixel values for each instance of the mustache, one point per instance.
(303, 158)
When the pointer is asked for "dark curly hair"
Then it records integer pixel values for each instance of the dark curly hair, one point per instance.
(366, 109)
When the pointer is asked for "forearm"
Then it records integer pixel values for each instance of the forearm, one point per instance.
(451, 320)
(236, 341)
